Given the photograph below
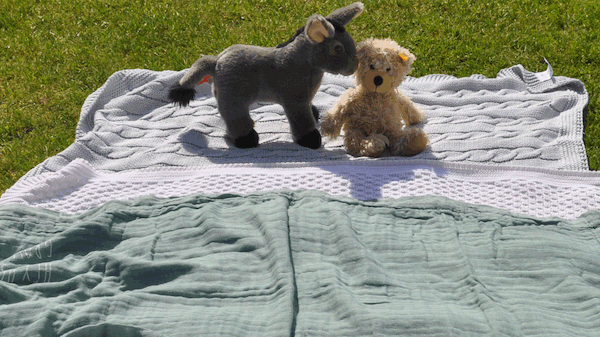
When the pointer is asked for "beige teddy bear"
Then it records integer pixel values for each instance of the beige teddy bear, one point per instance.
(376, 114)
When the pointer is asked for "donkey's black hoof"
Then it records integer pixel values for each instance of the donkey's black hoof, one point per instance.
(311, 140)
(247, 141)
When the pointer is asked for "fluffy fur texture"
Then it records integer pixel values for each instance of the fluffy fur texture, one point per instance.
(289, 74)
(375, 114)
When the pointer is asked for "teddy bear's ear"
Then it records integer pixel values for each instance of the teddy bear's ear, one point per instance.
(363, 48)
(318, 28)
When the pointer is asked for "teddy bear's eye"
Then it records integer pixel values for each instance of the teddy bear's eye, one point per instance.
(372, 67)
(388, 69)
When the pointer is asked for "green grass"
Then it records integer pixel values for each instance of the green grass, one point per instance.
(55, 53)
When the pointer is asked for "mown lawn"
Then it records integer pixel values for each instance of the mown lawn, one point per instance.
(55, 53)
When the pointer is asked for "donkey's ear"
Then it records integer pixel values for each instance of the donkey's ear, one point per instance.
(318, 28)
(345, 14)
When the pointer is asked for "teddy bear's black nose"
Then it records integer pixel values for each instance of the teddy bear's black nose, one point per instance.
(378, 80)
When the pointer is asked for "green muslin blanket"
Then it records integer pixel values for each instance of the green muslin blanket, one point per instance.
(301, 263)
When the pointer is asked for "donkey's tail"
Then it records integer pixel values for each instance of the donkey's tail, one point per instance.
(183, 91)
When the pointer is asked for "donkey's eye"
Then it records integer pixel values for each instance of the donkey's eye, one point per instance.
(338, 49)
(388, 69)
(372, 67)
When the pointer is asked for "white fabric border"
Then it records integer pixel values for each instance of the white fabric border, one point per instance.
(78, 187)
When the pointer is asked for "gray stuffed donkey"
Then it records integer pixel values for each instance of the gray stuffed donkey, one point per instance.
(289, 74)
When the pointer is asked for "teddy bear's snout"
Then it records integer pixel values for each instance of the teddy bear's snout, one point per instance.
(378, 81)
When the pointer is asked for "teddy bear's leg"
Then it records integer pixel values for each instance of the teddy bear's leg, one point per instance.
(373, 145)
(409, 141)
(352, 140)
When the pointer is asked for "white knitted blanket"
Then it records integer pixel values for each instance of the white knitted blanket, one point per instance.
(489, 139)
(513, 119)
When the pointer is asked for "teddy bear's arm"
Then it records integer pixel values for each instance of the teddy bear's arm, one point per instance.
(332, 123)
(408, 111)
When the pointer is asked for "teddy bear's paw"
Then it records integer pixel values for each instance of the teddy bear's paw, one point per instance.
(383, 138)
(412, 141)
(373, 145)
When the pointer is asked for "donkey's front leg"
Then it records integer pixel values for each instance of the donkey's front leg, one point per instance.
(303, 125)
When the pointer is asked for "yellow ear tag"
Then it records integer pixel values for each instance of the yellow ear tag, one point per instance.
(403, 57)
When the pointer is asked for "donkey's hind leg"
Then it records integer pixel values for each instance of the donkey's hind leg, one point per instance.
(240, 126)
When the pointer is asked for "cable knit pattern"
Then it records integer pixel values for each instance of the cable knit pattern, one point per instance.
(513, 119)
